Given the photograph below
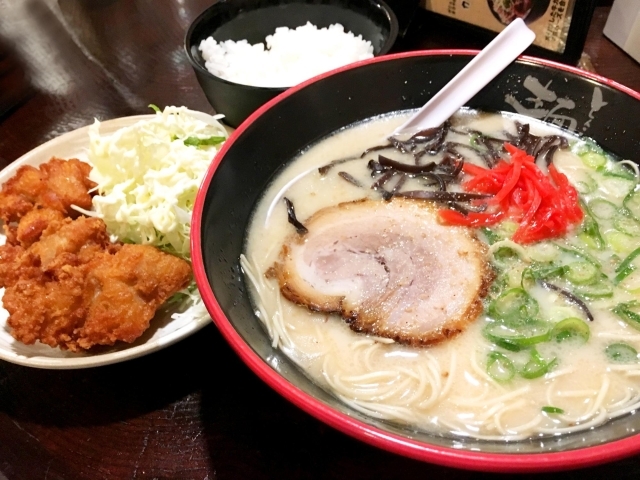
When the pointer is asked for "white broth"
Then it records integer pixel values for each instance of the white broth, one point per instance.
(451, 386)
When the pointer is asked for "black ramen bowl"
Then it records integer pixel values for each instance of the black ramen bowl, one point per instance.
(277, 132)
(253, 20)
(532, 10)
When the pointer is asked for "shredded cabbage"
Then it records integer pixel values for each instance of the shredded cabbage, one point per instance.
(148, 175)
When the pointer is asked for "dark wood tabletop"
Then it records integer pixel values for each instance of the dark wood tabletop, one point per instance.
(192, 410)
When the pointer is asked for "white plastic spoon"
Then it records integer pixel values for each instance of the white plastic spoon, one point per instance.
(494, 58)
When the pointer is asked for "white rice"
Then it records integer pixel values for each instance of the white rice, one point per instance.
(291, 55)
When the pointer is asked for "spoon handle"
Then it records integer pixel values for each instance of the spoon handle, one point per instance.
(484, 67)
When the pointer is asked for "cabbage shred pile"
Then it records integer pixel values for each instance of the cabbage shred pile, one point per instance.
(148, 175)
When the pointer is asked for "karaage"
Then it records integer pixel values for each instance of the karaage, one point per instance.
(66, 285)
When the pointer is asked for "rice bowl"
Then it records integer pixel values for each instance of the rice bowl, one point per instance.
(290, 56)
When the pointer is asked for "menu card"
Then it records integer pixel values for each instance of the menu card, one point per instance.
(560, 25)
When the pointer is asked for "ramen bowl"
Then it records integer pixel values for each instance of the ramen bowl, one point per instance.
(253, 20)
(281, 129)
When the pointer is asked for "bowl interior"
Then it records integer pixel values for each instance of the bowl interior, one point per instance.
(304, 115)
(253, 20)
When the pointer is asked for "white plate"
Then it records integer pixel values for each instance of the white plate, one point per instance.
(164, 329)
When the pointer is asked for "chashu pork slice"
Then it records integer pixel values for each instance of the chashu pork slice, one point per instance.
(388, 268)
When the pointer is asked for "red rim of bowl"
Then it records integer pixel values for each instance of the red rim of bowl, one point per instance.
(446, 456)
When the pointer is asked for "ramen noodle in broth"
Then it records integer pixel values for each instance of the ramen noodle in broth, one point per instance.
(554, 307)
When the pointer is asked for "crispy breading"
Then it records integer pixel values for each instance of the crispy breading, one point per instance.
(9, 271)
(57, 184)
(123, 292)
(62, 241)
(74, 290)
(33, 223)
(46, 309)
(66, 285)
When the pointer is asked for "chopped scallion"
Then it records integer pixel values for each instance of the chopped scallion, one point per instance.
(537, 366)
(500, 367)
(203, 142)
(632, 203)
(627, 266)
(514, 304)
(571, 329)
(621, 353)
(628, 312)
(550, 409)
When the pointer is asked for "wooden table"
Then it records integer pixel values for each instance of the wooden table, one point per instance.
(192, 410)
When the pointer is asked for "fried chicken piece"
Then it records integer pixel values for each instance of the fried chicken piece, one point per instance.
(62, 242)
(66, 285)
(46, 310)
(9, 271)
(57, 184)
(123, 292)
(74, 290)
(45, 282)
(35, 222)
(20, 193)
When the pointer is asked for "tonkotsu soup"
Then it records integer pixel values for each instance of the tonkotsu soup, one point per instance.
(552, 347)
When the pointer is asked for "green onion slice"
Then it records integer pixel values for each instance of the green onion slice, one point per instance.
(632, 203)
(629, 313)
(590, 230)
(491, 236)
(543, 272)
(627, 266)
(593, 159)
(550, 409)
(620, 242)
(582, 273)
(517, 337)
(621, 353)
(600, 289)
(500, 367)
(602, 209)
(203, 142)
(627, 224)
(571, 329)
(620, 170)
(580, 254)
(514, 304)
(536, 366)
(155, 108)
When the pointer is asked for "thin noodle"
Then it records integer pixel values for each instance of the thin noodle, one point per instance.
(367, 355)
(559, 373)
(619, 336)
(575, 428)
(418, 393)
(516, 430)
(469, 402)
(382, 411)
(489, 414)
(634, 404)
(451, 374)
(379, 375)
(624, 368)
(248, 271)
(436, 386)
(484, 375)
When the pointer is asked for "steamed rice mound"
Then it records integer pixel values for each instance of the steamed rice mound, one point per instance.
(291, 56)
